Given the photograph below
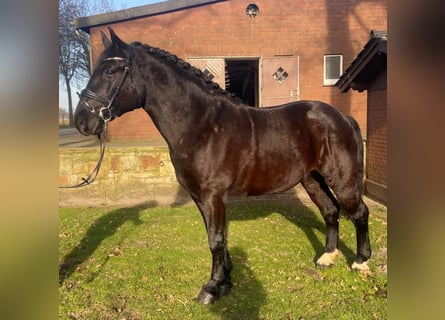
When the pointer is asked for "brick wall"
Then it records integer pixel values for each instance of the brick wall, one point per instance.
(376, 161)
(307, 28)
(128, 175)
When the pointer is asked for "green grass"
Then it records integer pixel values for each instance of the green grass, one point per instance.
(150, 263)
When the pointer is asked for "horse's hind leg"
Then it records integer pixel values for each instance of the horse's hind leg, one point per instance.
(349, 194)
(359, 213)
(320, 194)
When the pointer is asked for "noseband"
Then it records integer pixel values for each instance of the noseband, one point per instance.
(105, 112)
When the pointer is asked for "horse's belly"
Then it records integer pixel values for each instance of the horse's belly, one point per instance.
(269, 181)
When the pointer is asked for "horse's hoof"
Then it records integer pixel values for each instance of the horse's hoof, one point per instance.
(213, 293)
(327, 259)
(362, 267)
(205, 297)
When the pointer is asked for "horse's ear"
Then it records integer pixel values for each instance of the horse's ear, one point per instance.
(116, 40)
(107, 43)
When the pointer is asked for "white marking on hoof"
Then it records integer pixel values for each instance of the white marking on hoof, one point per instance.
(362, 267)
(327, 258)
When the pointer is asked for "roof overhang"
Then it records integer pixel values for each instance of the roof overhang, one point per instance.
(86, 23)
(368, 64)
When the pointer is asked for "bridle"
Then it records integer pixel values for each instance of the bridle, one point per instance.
(104, 113)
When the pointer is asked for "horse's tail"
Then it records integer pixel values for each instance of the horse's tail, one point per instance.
(360, 151)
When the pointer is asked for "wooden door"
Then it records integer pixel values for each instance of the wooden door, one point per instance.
(279, 80)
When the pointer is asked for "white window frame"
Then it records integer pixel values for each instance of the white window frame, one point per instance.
(331, 81)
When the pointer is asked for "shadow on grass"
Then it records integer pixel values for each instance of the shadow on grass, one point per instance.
(246, 297)
(102, 228)
(295, 211)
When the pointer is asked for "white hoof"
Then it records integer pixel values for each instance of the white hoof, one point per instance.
(362, 267)
(327, 259)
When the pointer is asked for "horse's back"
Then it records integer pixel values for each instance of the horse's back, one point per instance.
(298, 124)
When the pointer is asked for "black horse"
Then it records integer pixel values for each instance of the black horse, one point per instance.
(220, 147)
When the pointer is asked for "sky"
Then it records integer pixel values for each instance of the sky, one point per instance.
(119, 5)
(135, 3)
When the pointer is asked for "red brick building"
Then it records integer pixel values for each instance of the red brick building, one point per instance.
(368, 72)
(267, 52)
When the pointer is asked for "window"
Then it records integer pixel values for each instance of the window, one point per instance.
(332, 68)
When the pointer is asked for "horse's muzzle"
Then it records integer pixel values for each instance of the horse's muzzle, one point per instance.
(88, 124)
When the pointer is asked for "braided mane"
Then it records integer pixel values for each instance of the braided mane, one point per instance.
(173, 59)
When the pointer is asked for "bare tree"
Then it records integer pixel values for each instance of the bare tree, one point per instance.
(74, 47)
(63, 116)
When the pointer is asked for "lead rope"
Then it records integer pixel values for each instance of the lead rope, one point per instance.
(93, 174)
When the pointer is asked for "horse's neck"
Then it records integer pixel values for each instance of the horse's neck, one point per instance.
(176, 104)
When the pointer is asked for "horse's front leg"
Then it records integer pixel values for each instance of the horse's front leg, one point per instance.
(213, 210)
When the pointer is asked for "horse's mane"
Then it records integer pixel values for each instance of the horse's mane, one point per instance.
(179, 63)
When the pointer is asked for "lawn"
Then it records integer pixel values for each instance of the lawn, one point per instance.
(150, 262)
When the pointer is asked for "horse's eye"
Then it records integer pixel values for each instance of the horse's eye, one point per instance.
(109, 71)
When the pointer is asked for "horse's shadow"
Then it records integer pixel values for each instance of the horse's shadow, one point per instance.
(247, 295)
(295, 211)
(102, 228)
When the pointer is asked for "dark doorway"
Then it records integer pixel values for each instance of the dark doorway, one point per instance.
(242, 79)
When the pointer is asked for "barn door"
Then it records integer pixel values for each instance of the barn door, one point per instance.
(214, 68)
(279, 80)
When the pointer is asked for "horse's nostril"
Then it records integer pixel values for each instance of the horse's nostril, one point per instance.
(80, 125)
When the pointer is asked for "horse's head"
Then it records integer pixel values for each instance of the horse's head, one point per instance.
(111, 90)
